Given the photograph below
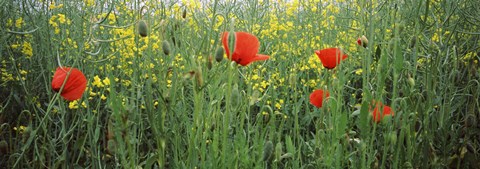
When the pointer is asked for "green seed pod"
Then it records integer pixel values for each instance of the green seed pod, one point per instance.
(142, 28)
(267, 151)
(166, 47)
(219, 54)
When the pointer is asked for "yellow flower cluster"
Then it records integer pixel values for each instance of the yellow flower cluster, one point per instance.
(58, 19)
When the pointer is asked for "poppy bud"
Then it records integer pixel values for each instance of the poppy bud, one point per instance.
(278, 150)
(209, 63)
(142, 28)
(184, 13)
(219, 54)
(3, 146)
(235, 97)
(411, 81)
(393, 137)
(166, 47)
(267, 151)
(292, 79)
(111, 146)
(362, 41)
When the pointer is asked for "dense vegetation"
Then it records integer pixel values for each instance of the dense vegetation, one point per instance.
(157, 97)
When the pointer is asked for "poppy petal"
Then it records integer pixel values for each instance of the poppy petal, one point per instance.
(377, 115)
(330, 57)
(257, 57)
(246, 45)
(317, 96)
(75, 84)
(246, 48)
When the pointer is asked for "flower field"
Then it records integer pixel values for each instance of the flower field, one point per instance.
(239, 84)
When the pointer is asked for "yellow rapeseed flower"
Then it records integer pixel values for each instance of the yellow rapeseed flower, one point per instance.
(19, 22)
(103, 97)
(97, 82)
(106, 81)
(27, 50)
(73, 104)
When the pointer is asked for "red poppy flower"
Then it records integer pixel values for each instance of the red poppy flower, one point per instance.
(246, 48)
(378, 115)
(317, 96)
(75, 84)
(330, 57)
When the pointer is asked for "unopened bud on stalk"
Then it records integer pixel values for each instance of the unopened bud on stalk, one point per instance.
(278, 150)
(267, 151)
(219, 54)
(166, 47)
(199, 77)
(235, 97)
(292, 79)
(184, 13)
(111, 146)
(411, 81)
(142, 28)
(209, 63)
(393, 138)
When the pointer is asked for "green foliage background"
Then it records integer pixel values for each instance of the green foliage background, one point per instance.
(146, 108)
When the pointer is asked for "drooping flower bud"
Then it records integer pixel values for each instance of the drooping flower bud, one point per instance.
(166, 47)
(362, 41)
(219, 54)
(142, 28)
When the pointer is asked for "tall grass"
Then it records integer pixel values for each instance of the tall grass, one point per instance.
(145, 107)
